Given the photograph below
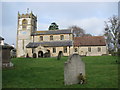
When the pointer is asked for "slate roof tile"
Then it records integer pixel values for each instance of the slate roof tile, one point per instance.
(49, 44)
(64, 31)
(89, 41)
(1, 38)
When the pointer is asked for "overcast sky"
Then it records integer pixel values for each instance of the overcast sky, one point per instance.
(88, 15)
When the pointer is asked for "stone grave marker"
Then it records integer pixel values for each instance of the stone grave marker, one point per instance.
(72, 68)
(60, 54)
(34, 55)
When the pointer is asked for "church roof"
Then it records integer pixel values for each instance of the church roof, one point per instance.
(89, 41)
(6, 46)
(49, 44)
(1, 38)
(64, 31)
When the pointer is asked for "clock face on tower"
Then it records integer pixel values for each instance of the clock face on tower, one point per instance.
(24, 34)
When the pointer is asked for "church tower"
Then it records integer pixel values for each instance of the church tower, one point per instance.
(27, 24)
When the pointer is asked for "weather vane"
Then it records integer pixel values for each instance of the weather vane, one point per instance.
(27, 10)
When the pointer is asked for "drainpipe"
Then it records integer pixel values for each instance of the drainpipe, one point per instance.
(72, 40)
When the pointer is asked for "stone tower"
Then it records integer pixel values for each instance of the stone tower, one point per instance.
(27, 24)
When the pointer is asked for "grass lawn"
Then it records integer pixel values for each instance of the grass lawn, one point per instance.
(101, 72)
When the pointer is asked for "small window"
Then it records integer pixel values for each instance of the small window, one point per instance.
(62, 37)
(54, 50)
(33, 50)
(75, 49)
(99, 49)
(89, 49)
(65, 49)
(51, 37)
(41, 38)
(23, 44)
(24, 24)
(24, 21)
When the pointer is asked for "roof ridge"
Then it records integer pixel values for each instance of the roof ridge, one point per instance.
(53, 30)
(91, 40)
(89, 36)
(52, 41)
(56, 30)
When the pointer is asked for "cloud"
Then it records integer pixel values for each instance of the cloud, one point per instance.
(89, 16)
(60, 0)
(93, 25)
(0, 18)
(42, 26)
(9, 33)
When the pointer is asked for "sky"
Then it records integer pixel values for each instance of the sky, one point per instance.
(90, 16)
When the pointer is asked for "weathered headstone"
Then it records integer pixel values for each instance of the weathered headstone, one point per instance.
(60, 54)
(34, 55)
(27, 56)
(5, 56)
(72, 68)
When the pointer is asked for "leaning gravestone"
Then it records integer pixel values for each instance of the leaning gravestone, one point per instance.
(72, 69)
(59, 55)
(34, 55)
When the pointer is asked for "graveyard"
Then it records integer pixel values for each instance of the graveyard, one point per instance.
(101, 72)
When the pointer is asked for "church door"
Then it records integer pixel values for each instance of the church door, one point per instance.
(40, 54)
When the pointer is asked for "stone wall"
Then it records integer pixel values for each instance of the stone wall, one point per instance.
(83, 50)
(55, 37)
(43, 49)
(24, 34)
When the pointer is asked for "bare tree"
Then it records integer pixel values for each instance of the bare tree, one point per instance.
(112, 27)
(119, 43)
(87, 34)
(77, 31)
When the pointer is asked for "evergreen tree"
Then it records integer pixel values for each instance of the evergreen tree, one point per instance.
(53, 26)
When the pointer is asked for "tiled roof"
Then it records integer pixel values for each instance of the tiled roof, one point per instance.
(1, 38)
(6, 47)
(49, 44)
(89, 41)
(64, 31)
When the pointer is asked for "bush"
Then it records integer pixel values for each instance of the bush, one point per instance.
(118, 52)
(114, 53)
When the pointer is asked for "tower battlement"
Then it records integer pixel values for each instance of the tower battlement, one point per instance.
(27, 15)
(27, 24)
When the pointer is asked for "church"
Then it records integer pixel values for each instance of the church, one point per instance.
(49, 43)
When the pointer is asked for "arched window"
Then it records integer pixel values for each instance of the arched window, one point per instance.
(75, 49)
(51, 37)
(62, 37)
(99, 49)
(24, 24)
(65, 49)
(89, 49)
(41, 38)
(54, 50)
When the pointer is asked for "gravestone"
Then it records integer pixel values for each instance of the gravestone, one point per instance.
(27, 56)
(60, 54)
(5, 56)
(34, 55)
(72, 69)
